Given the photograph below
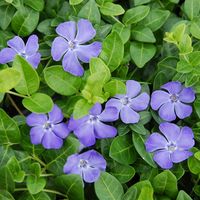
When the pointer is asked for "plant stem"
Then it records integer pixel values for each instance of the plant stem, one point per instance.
(38, 160)
(17, 94)
(14, 105)
(48, 63)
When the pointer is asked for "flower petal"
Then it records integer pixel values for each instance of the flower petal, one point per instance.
(7, 55)
(162, 158)
(167, 112)
(85, 31)
(129, 116)
(61, 130)
(91, 175)
(72, 65)
(179, 156)
(67, 30)
(186, 138)
(55, 116)
(158, 98)
(173, 87)
(34, 60)
(86, 52)
(85, 134)
(96, 109)
(36, 134)
(59, 48)
(17, 44)
(102, 130)
(183, 110)
(75, 123)
(140, 102)
(114, 103)
(51, 141)
(187, 95)
(133, 88)
(32, 45)
(110, 114)
(171, 131)
(36, 119)
(155, 142)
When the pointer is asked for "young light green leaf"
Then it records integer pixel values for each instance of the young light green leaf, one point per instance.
(108, 187)
(195, 28)
(122, 150)
(9, 78)
(135, 14)
(29, 82)
(38, 103)
(75, 2)
(112, 51)
(183, 196)
(141, 53)
(60, 81)
(111, 9)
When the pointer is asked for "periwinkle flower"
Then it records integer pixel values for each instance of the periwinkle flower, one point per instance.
(173, 101)
(69, 45)
(17, 47)
(171, 147)
(90, 127)
(48, 130)
(130, 103)
(88, 165)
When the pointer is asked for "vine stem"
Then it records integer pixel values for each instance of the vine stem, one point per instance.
(37, 159)
(17, 94)
(14, 105)
(48, 63)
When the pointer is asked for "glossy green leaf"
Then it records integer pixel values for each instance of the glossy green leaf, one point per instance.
(191, 8)
(108, 187)
(9, 78)
(135, 14)
(122, 150)
(5, 195)
(183, 196)
(60, 81)
(112, 51)
(195, 28)
(75, 2)
(38, 103)
(140, 2)
(138, 142)
(139, 128)
(29, 82)
(39, 196)
(37, 5)
(111, 9)
(141, 53)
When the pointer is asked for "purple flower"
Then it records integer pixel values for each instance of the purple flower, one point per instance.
(69, 45)
(172, 146)
(90, 127)
(17, 46)
(88, 165)
(129, 104)
(48, 130)
(172, 101)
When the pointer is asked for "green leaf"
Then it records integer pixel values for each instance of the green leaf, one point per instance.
(143, 34)
(184, 67)
(69, 185)
(39, 196)
(123, 173)
(98, 66)
(6, 14)
(9, 131)
(37, 5)
(38, 103)
(135, 14)
(5, 154)
(183, 196)
(185, 45)
(5, 195)
(155, 19)
(111, 9)
(35, 184)
(123, 31)
(165, 183)
(60, 81)
(139, 128)
(114, 87)
(6, 182)
(191, 8)
(145, 117)
(194, 58)
(25, 21)
(194, 163)
(131, 194)
(122, 150)
(75, 2)
(141, 53)
(191, 79)
(108, 187)
(29, 82)
(112, 51)
(195, 28)
(138, 142)
(90, 11)
(139, 2)
(9, 78)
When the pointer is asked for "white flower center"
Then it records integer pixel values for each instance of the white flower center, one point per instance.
(23, 54)
(47, 126)
(174, 98)
(83, 163)
(93, 118)
(72, 45)
(125, 101)
(171, 147)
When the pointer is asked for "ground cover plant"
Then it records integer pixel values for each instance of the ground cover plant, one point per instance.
(100, 99)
